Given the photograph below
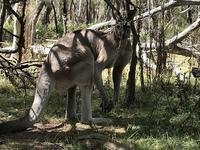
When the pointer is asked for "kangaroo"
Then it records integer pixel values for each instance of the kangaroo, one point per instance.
(78, 59)
(108, 51)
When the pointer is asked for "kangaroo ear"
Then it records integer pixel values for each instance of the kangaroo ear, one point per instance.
(131, 14)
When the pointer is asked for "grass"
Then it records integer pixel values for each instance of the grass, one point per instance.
(163, 118)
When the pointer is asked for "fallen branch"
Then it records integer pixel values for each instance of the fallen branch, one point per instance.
(166, 6)
(103, 24)
(29, 64)
(40, 49)
(172, 68)
(180, 50)
(14, 72)
(7, 50)
(177, 38)
(184, 51)
(10, 33)
(184, 33)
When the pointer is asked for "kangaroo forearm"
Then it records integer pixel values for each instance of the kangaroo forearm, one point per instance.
(99, 85)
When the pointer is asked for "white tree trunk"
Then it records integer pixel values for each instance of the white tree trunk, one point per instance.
(16, 31)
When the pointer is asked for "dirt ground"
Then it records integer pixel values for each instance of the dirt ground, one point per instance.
(58, 136)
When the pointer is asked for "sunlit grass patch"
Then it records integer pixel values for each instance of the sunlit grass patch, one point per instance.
(166, 143)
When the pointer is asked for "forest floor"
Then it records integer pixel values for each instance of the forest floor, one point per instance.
(58, 135)
(157, 121)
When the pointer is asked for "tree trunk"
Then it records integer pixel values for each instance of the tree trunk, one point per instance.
(22, 21)
(2, 20)
(87, 12)
(38, 9)
(55, 17)
(107, 12)
(46, 18)
(79, 10)
(131, 82)
(19, 28)
(65, 9)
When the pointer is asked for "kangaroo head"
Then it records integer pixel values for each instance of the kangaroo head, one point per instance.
(122, 31)
(123, 19)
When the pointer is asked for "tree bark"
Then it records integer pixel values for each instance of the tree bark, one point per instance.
(46, 17)
(80, 8)
(88, 12)
(55, 16)
(38, 9)
(131, 82)
(2, 20)
(17, 28)
(65, 9)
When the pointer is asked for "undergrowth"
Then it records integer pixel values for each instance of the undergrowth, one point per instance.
(165, 116)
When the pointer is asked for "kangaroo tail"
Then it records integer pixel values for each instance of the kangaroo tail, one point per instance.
(44, 85)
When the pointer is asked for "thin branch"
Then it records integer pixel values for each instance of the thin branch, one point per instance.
(6, 64)
(10, 33)
(113, 8)
(6, 60)
(27, 66)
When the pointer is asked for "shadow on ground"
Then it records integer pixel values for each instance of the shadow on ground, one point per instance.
(64, 136)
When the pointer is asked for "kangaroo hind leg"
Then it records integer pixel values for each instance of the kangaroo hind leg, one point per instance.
(86, 111)
(70, 113)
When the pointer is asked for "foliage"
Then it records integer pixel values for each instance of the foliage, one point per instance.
(9, 27)
(75, 27)
(164, 117)
(48, 31)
